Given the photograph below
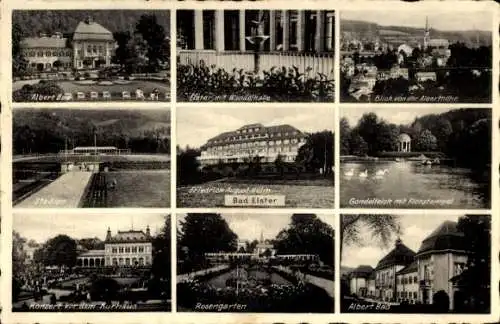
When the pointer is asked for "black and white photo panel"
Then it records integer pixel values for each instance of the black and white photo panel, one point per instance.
(90, 55)
(416, 263)
(272, 157)
(91, 263)
(255, 55)
(415, 157)
(256, 263)
(418, 56)
(91, 157)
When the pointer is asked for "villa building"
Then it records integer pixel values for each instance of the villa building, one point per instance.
(422, 277)
(90, 46)
(230, 38)
(125, 249)
(249, 141)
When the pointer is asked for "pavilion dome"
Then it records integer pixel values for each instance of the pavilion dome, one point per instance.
(404, 137)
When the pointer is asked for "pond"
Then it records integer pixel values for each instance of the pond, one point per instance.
(409, 184)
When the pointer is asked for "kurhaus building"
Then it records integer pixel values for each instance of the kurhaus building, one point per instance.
(425, 277)
(125, 249)
(90, 46)
(229, 38)
(249, 141)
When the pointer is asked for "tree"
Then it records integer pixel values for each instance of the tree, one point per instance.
(318, 152)
(345, 137)
(18, 254)
(475, 279)
(188, 166)
(426, 142)
(154, 35)
(367, 129)
(280, 165)
(122, 52)
(381, 228)
(202, 233)
(307, 234)
(91, 243)
(19, 63)
(60, 251)
(162, 251)
(357, 145)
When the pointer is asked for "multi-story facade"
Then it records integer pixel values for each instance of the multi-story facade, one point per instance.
(90, 46)
(229, 38)
(442, 256)
(249, 141)
(417, 278)
(125, 249)
(407, 284)
(387, 269)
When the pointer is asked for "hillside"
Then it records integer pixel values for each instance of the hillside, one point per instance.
(367, 29)
(48, 130)
(33, 22)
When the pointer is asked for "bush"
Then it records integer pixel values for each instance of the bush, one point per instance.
(278, 84)
(43, 88)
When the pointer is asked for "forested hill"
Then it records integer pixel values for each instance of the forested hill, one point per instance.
(365, 29)
(457, 119)
(47, 130)
(34, 22)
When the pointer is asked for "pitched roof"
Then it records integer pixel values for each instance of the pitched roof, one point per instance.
(445, 237)
(412, 267)
(400, 255)
(43, 42)
(89, 30)
(129, 236)
(363, 271)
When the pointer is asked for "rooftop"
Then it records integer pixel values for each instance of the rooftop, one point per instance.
(90, 30)
(400, 255)
(43, 42)
(445, 237)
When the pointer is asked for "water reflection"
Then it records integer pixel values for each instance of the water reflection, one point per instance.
(454, 187)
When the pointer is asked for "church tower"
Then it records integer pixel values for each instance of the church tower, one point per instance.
(108, 234)
(426, 33)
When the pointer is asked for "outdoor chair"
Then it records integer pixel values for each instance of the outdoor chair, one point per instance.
(126, 95)
(80, 95)
(94, 95)
(67, 96)
(139, 94)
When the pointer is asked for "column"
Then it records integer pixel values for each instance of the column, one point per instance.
(409, 146)
(198, 29)
(329, 31)
(300, 30)
(272, 30)
(108, 55)
(319, 39)
(242, 30)
(219, 30)
(285, 23)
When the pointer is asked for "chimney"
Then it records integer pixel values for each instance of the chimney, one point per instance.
(148, 232)
(398, 242)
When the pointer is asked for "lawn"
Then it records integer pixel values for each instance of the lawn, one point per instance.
(142, 188)
(303, 196)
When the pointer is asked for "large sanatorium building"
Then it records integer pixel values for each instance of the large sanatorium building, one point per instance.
(89, 47)
(252, 140)
(125, 249)
(403, 275)
(229, 38)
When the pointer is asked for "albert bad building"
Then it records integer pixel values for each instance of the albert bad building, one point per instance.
(417, 278)
(90, 46)
(131, 248)
(229, 38)
(253, 140)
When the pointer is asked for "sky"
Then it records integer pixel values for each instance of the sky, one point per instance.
(250, 226)
(440, 20)
(41, 227)
(399, 115)
(197, 125)
(415, 229)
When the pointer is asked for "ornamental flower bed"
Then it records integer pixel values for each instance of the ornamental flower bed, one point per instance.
(210, 83)
(297, 298)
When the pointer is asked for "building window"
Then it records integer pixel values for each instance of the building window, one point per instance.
(141, 249)
(127, 250)
(47, 53)
(89, 49)
(209, 29)
(120, 249)
(330, 31)
(134, 249)
(113, 250)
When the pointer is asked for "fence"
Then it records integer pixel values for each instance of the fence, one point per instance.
(317, 62)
